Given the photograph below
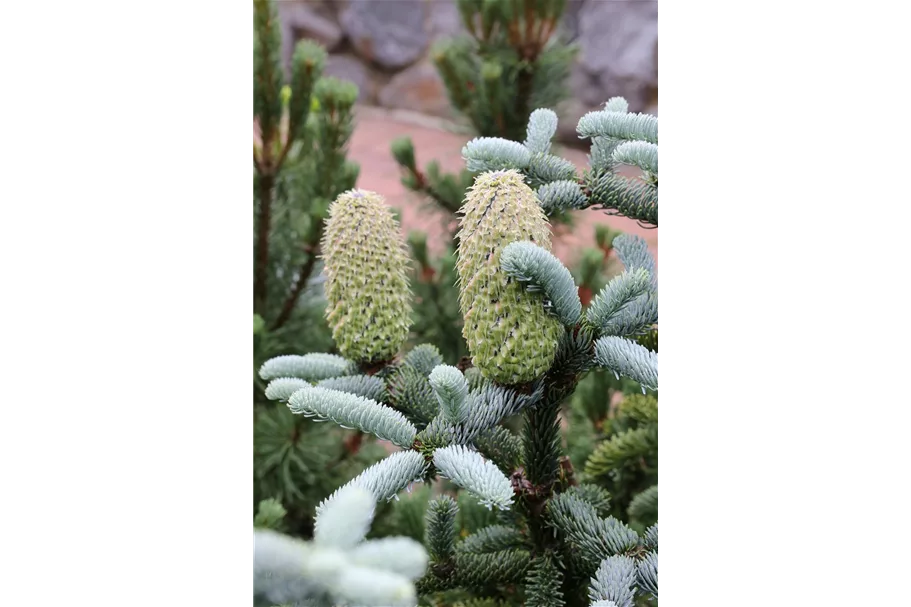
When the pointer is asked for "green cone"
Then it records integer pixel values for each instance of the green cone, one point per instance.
(511, 337)
(366, 278)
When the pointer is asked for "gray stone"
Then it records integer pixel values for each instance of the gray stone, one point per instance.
(349, 67)
(390, 33)
(445, 20)
(298, 20)
(569, 25)
(619, 42)
(419, 88)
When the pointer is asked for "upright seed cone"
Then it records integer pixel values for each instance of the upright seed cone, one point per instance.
(511, 337)
(366, 278)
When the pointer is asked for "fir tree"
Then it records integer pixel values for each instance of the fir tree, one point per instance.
(301, 129)
(510, 61)
(339, 566)
(548, 540)
(437, 318)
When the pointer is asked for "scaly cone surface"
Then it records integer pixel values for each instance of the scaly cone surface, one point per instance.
(366, 267)
(512, 339)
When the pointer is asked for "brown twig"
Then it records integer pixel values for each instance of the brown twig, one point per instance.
(256, 164)
(302, 278)
(283, 154)
(513, 27)
(353, 443)
(569, 474)
(262, 240)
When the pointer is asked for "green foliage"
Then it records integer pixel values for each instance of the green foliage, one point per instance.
(404, 516)
(625, 462)
(472, 516)
(339, 567)
(298, 463)
(543, 584)
(437, 318)
(618, 137)
(509, 64)
(502, 447)
(301, 130)
(530, 532)
(270, 514)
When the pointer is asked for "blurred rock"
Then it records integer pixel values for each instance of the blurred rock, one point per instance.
(445, 19)
(570, 23)
(299, 21)
(390, 33)
(349, 67)
(419, 88)
(619, 42)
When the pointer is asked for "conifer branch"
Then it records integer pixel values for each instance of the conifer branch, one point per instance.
(529, 263)
(311, 246)
(644, 505)
(630, 445)
(596, 538)
(470, 471)
(648, 573)
(546, 168)
(410, 392)
(346, 523)
(487, 406)
(631, 198)
(368, 386)
(619, 293)
(594, 495)
(354, 412)
(636, 319)
(479, 570)
(502, 447)
(440, 537)
(616, 104)
(633, 253)
(619, 125)
(641, 154)
(628, 358)
(441, 528)
(542, 124)
(615, 581)
(495, 153)
(561, 195)
(451, 390)
(543, 583)
(337, 567)
(310, 367)
(492, 539)
(401, 555)
(650, 539)
(423, 358)
(627, 446)
(601, 156)
(385, 478)
(282, 388)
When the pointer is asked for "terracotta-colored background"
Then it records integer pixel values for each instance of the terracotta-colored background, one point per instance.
(374, 131)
